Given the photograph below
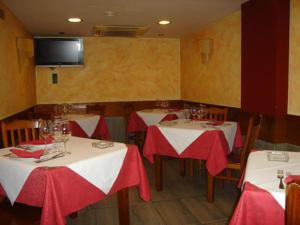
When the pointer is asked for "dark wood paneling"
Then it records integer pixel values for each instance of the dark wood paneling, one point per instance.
(283, 129)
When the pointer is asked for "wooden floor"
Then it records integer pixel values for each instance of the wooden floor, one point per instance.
(182, 202)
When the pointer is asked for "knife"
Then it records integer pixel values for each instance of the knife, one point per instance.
(59, 155)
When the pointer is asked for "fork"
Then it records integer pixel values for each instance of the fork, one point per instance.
(59, 155)
(280, 177)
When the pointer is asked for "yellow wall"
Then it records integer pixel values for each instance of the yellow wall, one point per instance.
(17, 81)
(116, 69)
(219, 81)
(294, 72)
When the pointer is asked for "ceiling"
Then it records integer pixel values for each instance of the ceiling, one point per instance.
(49, 17)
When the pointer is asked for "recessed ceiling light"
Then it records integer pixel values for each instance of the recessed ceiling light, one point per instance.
(164, 22)
(110, 13)
(74, 20)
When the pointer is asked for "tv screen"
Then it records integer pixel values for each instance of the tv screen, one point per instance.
(58, 51)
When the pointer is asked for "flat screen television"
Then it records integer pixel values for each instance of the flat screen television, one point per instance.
(56, 51)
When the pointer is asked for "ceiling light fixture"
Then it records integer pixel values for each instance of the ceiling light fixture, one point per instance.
(164, 22)
(74, 20)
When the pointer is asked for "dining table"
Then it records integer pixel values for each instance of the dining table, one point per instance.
(212, 141)
(139, 121)
(88, 126)
(262, 201)
(63, 184)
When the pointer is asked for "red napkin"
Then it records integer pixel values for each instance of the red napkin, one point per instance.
(49, 140)
(291, 178)
(26, 154)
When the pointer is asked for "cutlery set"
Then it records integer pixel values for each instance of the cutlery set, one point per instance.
(280, 176)
(59, 155)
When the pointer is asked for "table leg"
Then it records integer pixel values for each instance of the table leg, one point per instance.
(191, 167)
(182, 167)
(210, 187)
(158, 172)
(123, 207)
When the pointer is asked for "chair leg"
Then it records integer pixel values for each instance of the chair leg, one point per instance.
(210, 187)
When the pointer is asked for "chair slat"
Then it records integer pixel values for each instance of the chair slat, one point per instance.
(12, 131)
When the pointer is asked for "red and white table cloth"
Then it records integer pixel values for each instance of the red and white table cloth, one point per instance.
(193, 139)
(261, 201)
(140, 120)
(65, 185)
(88, 126)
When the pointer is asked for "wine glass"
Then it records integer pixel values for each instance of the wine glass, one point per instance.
(65, 135)
(193, 112)
(56, 133)
(45, 130)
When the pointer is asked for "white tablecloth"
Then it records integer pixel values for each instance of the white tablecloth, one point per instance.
(98, 166)
(263, 173)
(154, 116)
(87, 122)
(181, 133)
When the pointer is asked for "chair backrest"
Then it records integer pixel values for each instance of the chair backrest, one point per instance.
(292, 211)
(18, 131)
(251, 137)
(216, 113)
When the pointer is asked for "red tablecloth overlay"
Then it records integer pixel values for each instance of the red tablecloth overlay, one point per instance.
(60, 191)
(137, 124)
(257, 207)
(210, 146)
(101, 130)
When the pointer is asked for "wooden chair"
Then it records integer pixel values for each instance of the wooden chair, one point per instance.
(292, 211)
(18, 131)
(136, 137)
(240, 164)
(216, 113)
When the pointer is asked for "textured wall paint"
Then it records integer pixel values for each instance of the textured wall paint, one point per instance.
(17, 80)
(219, 81)
(116, 69)
(294, 70)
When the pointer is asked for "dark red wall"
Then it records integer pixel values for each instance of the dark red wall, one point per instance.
(265, 53)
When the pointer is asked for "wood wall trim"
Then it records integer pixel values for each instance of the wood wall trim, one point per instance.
(275, 129)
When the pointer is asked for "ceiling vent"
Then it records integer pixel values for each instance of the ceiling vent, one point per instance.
(119, 31)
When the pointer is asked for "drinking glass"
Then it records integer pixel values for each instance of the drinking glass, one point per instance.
(65, 135)
(193, 112)
(56, 134)
(45, 129)
(187, 114)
